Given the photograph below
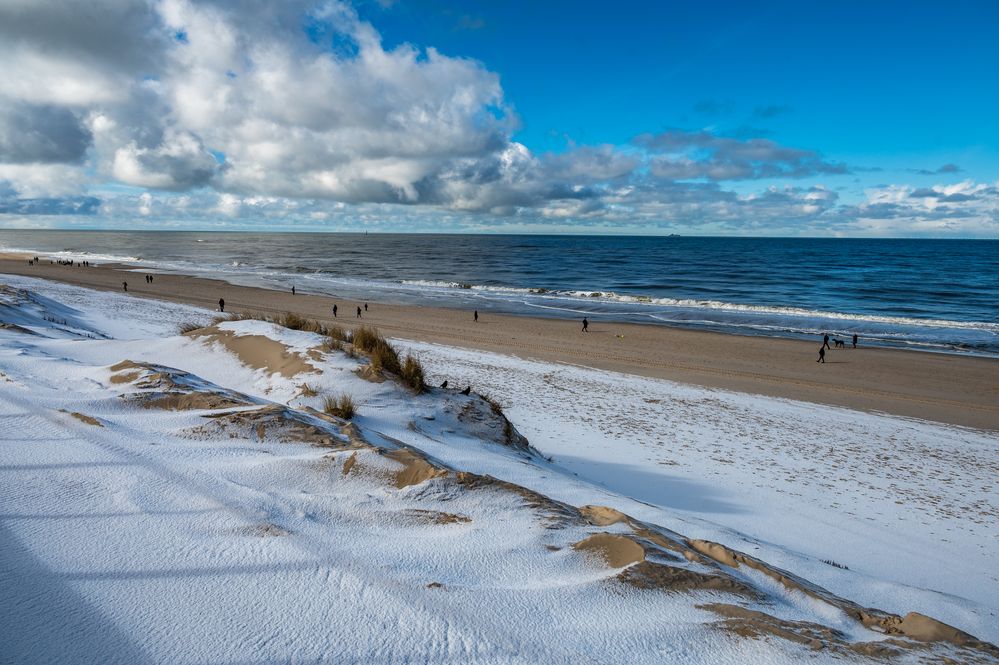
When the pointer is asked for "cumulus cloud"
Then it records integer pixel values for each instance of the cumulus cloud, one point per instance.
(41, 133)
(296, 112)
(179, 162)
(12, 203)
(966, 207)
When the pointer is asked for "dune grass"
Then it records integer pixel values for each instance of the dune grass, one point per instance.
(340, 405)
(295, 321)
(497, 409)
(366, 340)
(189, 326)
(412, 374)
(383, 357)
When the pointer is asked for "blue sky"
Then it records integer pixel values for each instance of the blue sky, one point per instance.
(878, 82)
(717, 118)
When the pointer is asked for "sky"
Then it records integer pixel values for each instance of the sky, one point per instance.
(698, 118)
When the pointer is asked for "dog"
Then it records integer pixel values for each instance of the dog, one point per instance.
(839, 344)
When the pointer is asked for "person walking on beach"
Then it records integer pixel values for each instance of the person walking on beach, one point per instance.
(292, 289)
(365, 307)
(124, 286)
(476, 316)
(825, 342)
(334, 310)
(586, 325)
(358, 311)
(221, 304)
(854, 340)
(822, 354)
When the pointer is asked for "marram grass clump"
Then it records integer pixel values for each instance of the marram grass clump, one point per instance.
(340, 405)
(412, 374)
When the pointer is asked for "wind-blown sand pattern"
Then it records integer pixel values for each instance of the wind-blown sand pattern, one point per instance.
(217, 514)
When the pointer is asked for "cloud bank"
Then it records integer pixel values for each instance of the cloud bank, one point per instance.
(171, 112)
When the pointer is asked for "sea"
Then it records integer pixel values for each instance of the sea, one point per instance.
(930, 295)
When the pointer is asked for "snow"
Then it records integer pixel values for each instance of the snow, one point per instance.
(136, 541)
(910, 507)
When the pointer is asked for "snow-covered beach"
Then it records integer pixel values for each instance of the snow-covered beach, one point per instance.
(181, 498)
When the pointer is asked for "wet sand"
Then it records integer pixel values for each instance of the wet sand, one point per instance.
(952, 389)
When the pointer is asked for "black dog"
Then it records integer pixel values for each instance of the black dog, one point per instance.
(839, 344)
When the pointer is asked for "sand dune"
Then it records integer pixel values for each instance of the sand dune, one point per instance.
(345, 528)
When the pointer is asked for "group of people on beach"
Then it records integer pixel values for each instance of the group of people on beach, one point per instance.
(475, 316)
(840, 344)
(335, 309)
(63, 262)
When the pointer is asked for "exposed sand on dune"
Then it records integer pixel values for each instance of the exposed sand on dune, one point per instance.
(369, 373)
(602, 515)
(749, 623)
(256, 351)
(415, 468)
(172, 390)
(272, 422)
(16, 328)
(423, 516)
(349, 463)
(662, 577)
(83, 418)
(408, 467)
(617, 551)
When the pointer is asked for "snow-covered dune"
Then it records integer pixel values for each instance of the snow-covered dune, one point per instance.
(184, 498)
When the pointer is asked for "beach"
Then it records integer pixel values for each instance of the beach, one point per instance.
(947, 388)
(163, 471)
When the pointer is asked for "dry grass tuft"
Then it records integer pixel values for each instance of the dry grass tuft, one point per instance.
(497, 409)
(189, 326)
(383, 357)
(309, 391)
(412, 374)
(335, 338)
(366, 339)
(341, 406)
(294, 321)
(337, 333)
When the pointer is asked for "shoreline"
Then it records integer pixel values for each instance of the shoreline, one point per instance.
(948, 388)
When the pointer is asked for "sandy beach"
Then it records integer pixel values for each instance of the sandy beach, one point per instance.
(951, 389)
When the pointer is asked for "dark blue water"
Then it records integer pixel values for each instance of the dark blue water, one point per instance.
(926, 294)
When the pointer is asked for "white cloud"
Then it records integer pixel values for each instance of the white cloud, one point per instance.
(231, 110)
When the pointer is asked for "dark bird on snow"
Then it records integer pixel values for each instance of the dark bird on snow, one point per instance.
(444, 385)
(467, 391)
